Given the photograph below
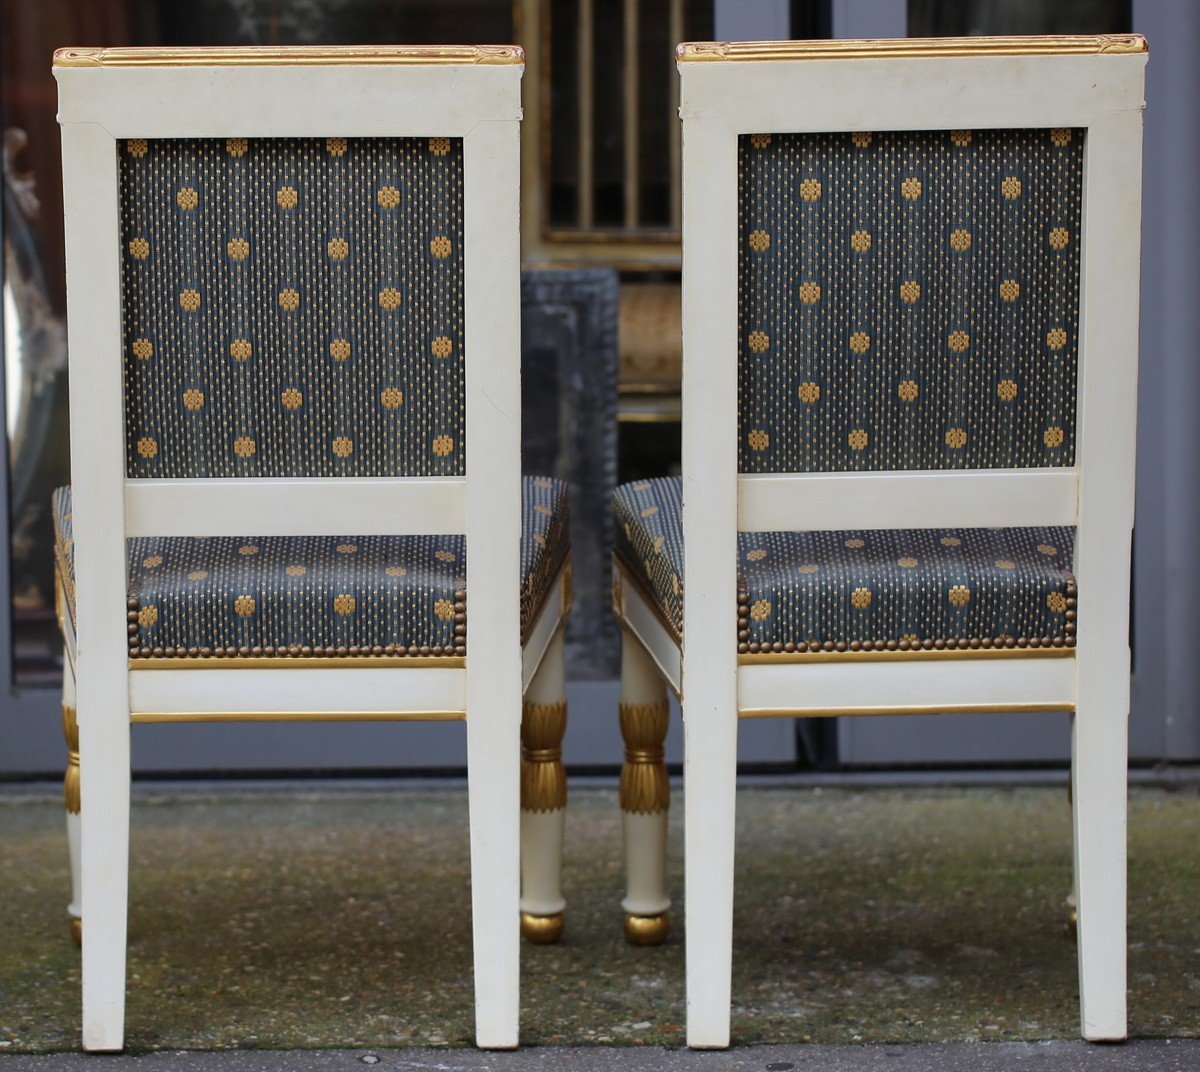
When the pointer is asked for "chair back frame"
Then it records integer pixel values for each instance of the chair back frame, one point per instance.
(729, 90)
(468, 93)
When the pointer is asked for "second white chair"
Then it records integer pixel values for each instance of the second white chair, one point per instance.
(910, 306)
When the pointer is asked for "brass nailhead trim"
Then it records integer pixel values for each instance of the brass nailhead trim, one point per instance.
(961, 644)
(296, 653)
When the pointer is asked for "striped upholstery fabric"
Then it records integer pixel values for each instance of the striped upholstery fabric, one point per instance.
(317, 596)
(865, 590)
(293, 307)
(908, 300)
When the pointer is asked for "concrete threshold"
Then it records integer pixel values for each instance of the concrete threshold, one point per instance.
(1159, 777)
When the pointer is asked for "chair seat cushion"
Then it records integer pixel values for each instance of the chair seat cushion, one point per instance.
(874, 590)
(317, 595)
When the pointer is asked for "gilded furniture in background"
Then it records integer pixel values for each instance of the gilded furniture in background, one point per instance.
(294, 358)
(908, 428)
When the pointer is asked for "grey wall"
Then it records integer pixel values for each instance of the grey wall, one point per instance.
(869, 18)
(1166, 699)
(750, 20)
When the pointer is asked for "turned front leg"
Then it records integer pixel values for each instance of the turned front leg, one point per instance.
(543, 799)
(645, 796)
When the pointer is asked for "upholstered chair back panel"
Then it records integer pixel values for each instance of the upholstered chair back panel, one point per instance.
(293, 307)
(908, 300)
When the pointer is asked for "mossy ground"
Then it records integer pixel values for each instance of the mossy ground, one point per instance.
(292, 919)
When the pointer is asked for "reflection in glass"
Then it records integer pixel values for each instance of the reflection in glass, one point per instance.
(966, 18)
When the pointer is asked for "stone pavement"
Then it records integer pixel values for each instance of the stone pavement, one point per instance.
(311, 920)
(1143, 1056)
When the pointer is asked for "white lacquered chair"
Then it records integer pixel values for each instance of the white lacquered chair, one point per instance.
(293, 288)
(910, 308)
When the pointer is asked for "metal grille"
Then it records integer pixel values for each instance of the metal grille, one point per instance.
(611, 143)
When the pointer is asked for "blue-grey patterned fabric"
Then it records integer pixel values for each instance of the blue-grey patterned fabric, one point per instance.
(867, 589)
(315, 595)
(908, 300)
(292, 307)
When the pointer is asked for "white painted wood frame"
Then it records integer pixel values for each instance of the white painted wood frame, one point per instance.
(468, 93)
(641, 621)
(272, 506)
(728, 90)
